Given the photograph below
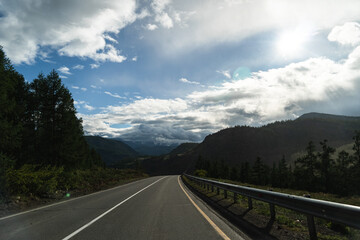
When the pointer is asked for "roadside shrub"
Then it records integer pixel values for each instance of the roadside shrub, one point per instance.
(33, 180)
(200, 173)
(5, 163)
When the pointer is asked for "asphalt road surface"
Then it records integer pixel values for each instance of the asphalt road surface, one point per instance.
(152, 208)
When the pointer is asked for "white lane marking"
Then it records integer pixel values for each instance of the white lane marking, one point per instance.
(66, 201)
(97, 218)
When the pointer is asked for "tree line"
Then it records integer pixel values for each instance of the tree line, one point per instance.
(315, 171)
(38, 125)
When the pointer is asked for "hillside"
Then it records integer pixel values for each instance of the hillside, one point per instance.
(183, 148)
(238, 144)
(168, 163)
(112, 152)
(270, 142)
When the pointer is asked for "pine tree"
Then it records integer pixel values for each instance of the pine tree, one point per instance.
(356, 147)
(283, 173)
(326, 165)
(12, 92)
(58, 132)
(234, 173)
(259, 173)
(305, 169)
(343, 175)
(12, 87)
(356, 159)
(245, 172)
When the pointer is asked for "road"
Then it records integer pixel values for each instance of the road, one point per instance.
(153, 208)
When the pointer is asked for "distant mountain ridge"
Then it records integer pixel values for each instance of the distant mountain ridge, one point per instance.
(238, 144)
(113, 152)
(183, 148)
(148, 148)
(314, 115)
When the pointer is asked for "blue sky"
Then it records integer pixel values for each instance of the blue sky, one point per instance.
(172, 71)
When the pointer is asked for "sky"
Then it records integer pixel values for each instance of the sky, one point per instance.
(173, 71)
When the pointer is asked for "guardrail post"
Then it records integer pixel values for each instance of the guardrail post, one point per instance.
(212, 188)
(207, 187)
(272, 211)
(235, 197)
(311, 227)
(218, 191)
(250, 205)
(225, 193)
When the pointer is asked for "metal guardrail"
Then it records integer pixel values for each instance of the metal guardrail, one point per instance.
(336, 212)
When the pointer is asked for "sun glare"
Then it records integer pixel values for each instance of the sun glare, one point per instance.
(291, 43)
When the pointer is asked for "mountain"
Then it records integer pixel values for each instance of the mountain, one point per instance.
(183, 148)
(242, 143)
(150, 148)
(113, 152)
(169, 163)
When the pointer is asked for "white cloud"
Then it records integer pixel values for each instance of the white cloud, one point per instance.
(88, 107)
(165, 20)
(83, 89)
(226, 73)
(63, 77)
(107, 37)
(161, 15)
(151, 27)
(184, 80)
(134, 59)
(215, 22)
(79, 67)
(70, 27)
(349, 33)
(75, 87)
(83, 104)
(94, 65)
(114, 95)
(64, 70)
(93, 86)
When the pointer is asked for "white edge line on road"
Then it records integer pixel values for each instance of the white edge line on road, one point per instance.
(216, 228)
(66, 201)
(102, 215)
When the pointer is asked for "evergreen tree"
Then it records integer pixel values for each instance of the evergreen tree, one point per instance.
(245, 172)
(259, 173)
(325, 166)
(234, 173)
(356, 147)
(214, 169)
(58, 132)
(223, 170)
(283, 173)
(343, 175)
(274, 176)
(12, 86)
(356, 159)
(304, 171)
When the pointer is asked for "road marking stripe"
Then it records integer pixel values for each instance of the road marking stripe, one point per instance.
(66, 201)
(102, 215)
(217, 229)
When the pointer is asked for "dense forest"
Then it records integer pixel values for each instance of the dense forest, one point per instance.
(42, 147)
(315, 171)
(271, 141)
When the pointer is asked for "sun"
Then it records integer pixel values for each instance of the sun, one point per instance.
(291, 43)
